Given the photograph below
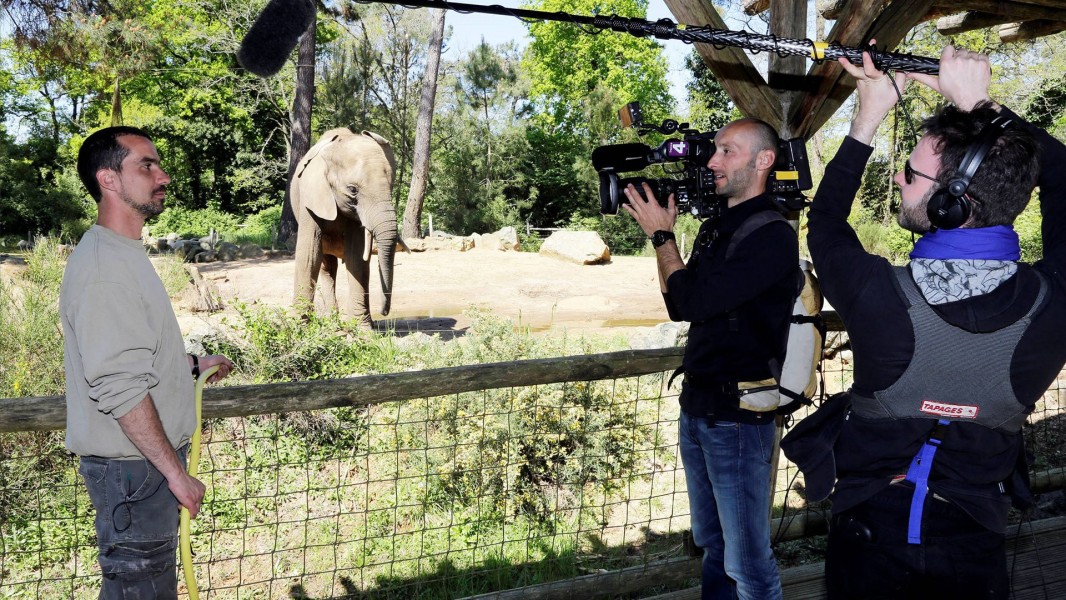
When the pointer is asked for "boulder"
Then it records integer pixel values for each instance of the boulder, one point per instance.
(250, 251)
(582, 247)
(504, 239)
(227, 251)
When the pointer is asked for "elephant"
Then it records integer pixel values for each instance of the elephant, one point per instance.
(342, 196)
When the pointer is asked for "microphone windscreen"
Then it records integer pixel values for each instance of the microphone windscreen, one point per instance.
(275, 33)
(621, 157)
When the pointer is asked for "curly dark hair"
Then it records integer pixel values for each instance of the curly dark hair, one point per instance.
(1004, 182)
(101, 150)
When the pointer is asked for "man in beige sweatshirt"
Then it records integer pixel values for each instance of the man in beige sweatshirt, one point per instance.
(130, 406)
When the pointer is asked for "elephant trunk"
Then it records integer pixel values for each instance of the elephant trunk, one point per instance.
(382, 225)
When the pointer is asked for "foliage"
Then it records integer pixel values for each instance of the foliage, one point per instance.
(272, 345)
(35, 197)
(566, 65)
(190, 224)
(1028, 227)
(30, 337)
(710, 107)
(620, 232)
(1047, 107)
(171, 271)
(258, 228)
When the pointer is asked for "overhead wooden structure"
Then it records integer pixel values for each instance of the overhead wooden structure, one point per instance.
(798, 101)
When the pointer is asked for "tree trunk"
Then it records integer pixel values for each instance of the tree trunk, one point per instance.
(300, 142)
(116, 105)
(412, 214)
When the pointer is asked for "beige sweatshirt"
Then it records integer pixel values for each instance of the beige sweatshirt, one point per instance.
(122, 341)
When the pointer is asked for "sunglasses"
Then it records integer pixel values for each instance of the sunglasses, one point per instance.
(909, 173)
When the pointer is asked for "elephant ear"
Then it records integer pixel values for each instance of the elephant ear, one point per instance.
(315, 192)
(386, 147)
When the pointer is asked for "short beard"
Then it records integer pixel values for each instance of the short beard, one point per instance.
(915, 218)
(739, 181)
(147, 210)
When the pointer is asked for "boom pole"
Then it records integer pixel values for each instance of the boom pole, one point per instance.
(666, 29)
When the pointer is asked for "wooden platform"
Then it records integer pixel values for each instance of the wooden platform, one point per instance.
(1036, 557)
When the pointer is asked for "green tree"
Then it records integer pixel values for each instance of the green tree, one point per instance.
(710, 106)
(480, 78)
(566, 64)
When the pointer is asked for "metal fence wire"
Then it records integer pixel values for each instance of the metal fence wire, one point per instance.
(434, 497)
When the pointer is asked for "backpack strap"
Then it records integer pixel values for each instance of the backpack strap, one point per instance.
(749, 225)
(755, 221)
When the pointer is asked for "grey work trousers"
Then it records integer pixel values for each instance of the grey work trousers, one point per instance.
(136, 527)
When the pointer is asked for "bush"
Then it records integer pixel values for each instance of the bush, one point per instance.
(192, 223)
(271, 345)
(31, 340)
(260, 228)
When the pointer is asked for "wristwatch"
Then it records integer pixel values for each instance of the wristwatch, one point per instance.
(660, 237)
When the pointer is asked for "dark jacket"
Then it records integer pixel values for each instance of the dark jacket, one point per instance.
(973, 460)
(738, 308)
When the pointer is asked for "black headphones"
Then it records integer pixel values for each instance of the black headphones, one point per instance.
(949, 207)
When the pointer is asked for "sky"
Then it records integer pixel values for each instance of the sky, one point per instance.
(468, 30)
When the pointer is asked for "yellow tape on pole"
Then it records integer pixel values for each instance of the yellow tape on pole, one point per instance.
(185, 542)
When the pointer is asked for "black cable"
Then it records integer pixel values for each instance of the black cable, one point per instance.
(1027, 518)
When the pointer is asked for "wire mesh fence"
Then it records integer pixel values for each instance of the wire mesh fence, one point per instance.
(442, 496)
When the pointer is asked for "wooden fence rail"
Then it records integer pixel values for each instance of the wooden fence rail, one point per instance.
(46, 413)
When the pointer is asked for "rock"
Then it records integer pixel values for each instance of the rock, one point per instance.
(582, 247)
(504, 239)
(663, 335)
(227, 251)
(509, 239)
(250, 251)
(416, 245)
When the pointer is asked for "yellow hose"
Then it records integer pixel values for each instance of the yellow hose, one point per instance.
(185, 542)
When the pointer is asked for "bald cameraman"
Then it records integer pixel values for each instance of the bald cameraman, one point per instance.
(738, 301)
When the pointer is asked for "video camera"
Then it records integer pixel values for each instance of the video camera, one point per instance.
(694, 191)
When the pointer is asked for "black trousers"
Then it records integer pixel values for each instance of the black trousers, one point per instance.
(868, 555)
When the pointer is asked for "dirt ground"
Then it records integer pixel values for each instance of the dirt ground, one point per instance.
(433, 289)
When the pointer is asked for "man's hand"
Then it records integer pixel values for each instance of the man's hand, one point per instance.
(877, 96)
(648, 213)
(225, 366)
(189, 491)
(964, 77)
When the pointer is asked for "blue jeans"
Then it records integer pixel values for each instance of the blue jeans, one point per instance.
(136, 528)
(727, 469)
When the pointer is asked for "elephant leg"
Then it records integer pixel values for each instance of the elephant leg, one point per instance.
(358, 271)
(328, 279)
(308, 264)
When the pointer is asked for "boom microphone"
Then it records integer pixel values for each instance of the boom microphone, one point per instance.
(274, 34)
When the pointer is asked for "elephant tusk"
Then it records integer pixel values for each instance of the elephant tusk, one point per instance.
(368, 244)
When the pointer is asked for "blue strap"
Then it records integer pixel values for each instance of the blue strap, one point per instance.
(918, 474)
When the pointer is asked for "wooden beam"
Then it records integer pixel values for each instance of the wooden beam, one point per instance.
(830, 9)
(754, 7)
(734, 70)
(1053, 10)
(830, 85)
(1029, 30)
(968, 21)
(788, 19)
